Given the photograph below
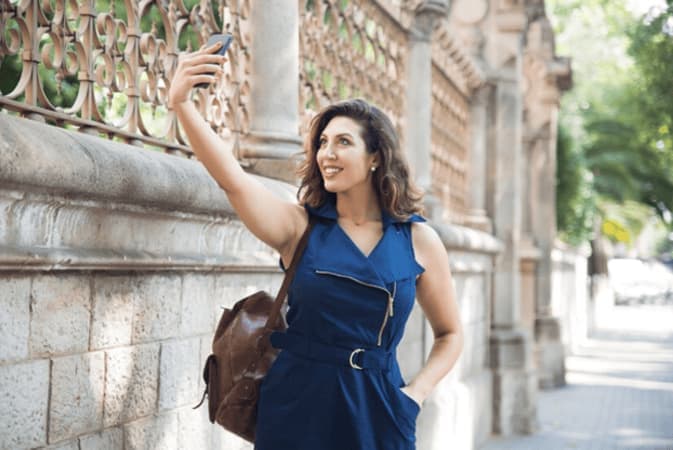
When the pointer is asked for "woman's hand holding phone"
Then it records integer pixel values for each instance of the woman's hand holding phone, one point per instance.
(197, 69)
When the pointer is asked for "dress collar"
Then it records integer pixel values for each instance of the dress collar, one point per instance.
(328, 211)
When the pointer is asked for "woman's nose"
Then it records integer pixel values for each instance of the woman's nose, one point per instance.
(329, 152)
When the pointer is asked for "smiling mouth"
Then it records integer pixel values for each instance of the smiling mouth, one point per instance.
(330, 171)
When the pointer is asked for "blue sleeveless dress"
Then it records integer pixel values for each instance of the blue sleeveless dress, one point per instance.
(336, 383)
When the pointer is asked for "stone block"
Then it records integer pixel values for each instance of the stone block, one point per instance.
(550, 364)
(509, 349)
(455, 411)
(547, 329)
(230, 288)
(194, 428)
(14, 318)
(224, 440)
(481, 387)
(471, 297)
(61, 311)
(7, 203)
(206, 348)
(65, 445)
(514, 402)
(24, 393)
(157, 432)
(514, 383)
(179, 373)
(444, 418)
(480, 350)
(197, 294)
(112, 323)
(473, 356)
(156, 308)
(77, 386)
(108, 439)
(131, 383)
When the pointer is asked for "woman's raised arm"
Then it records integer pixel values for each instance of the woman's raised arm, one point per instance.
(275, 221)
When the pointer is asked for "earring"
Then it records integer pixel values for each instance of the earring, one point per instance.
(373, 169)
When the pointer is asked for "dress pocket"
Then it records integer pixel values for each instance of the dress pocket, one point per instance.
(405, 408)
(413, 403)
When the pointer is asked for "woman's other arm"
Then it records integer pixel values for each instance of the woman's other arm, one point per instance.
(435, 294)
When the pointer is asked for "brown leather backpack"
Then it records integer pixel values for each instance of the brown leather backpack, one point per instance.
(242, 355)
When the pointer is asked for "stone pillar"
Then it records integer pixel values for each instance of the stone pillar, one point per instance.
(550, 354)
(419, 98)
(466, 20)
(477, 217)
(529, 253)
(514, 380)
(274, 96)
(546, 76)
(511, 353)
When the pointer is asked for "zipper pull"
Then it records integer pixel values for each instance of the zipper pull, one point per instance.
(391, 298)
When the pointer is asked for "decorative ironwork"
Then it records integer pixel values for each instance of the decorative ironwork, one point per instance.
(104, 67)
(118, 58)
(450, 141)
(454, 79)
(452, 60)
(352, 48)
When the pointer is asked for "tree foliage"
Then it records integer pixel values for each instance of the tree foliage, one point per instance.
(574, 195)
(618, 118)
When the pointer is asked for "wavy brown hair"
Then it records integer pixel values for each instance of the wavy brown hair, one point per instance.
(392, 182)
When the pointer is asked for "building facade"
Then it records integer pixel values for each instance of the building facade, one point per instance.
(115, 259)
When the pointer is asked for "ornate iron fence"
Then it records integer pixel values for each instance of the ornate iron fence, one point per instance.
(116, 59)
(453, 79)
(104, 67)
(352, 49)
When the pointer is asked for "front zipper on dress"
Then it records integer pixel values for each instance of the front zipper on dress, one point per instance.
(389, 307)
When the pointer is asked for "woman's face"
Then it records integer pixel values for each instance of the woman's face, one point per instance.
(342, 156)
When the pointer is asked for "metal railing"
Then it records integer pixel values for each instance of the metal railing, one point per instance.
(103, 67)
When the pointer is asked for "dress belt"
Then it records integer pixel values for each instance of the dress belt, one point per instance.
(358, 358)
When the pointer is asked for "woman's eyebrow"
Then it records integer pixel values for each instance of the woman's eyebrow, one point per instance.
(339, 135)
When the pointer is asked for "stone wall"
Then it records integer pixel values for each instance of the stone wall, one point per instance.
(100, 360)
(126, 254)
(114, 264)
(459, 412)
(571, 300)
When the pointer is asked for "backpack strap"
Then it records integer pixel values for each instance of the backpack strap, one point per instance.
(289, 275)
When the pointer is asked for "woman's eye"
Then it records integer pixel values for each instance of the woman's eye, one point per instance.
(322, 142)
(345, 141)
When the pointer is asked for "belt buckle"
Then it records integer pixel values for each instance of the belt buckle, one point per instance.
(350, 358)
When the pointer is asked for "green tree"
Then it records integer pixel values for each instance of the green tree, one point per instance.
(620, 65)
(574, 191)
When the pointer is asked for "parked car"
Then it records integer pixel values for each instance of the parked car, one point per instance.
(636, 281)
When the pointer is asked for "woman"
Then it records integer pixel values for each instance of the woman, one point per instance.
(336, 383)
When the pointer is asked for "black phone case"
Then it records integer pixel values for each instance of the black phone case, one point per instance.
(226, 39)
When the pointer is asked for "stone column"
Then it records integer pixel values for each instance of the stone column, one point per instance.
(550, 354)
(274, 97)
(419, 98)
(466, 20)
(477, 217)
(529, 253)
(547, 76)
(514, 380)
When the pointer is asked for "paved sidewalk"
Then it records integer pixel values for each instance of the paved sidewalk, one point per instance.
(619, 393)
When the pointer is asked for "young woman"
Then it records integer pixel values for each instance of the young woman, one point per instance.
(336, 383)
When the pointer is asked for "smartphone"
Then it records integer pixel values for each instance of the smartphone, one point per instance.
(226, 40)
